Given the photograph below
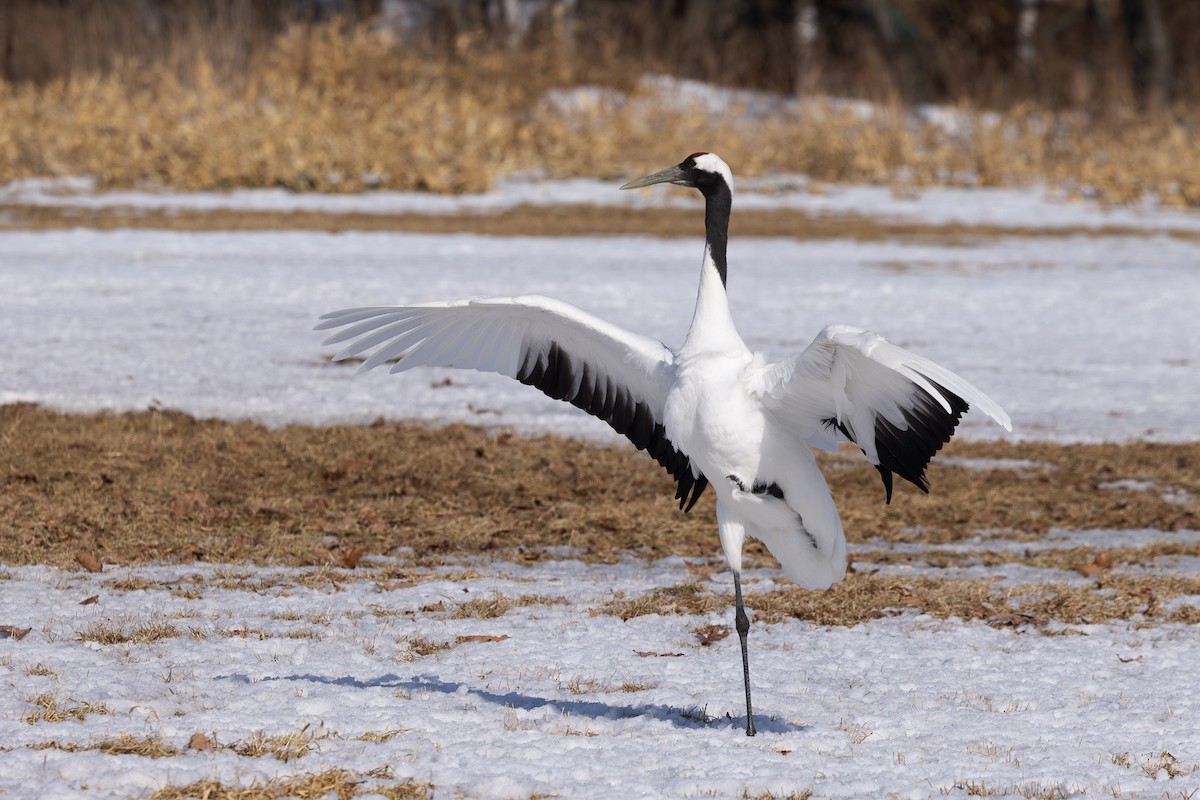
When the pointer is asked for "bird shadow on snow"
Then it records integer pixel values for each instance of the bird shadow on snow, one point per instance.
(593, 709)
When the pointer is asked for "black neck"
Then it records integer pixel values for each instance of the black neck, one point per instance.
(718, 204)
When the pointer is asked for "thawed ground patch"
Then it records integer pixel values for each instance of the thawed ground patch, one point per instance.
(163, 486)
(493, 679)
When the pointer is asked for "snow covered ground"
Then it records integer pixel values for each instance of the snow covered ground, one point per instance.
(567, 705)
(1081, 338)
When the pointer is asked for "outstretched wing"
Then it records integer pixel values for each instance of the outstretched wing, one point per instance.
(618, 376)
(898, 407)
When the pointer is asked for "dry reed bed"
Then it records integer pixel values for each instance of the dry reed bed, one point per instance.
(558, 220)
(336, 109)
(162, 486)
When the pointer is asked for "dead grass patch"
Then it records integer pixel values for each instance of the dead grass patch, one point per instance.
(242, 631)
(49, 708)
(579, 685)
(632, 687)
(560, 220)
(134, 584)
(1151, 765)
(1030, 790)
(801, 794)
(862, 598)
(341, 783)
(121, 745)
(497, 606)
(285, 746)
(107, 481)
(419, 646)
(1101, 559)
(686, 598)
(127, 633)
(380, 736)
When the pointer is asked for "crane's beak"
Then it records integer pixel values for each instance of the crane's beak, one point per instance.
(669, 175)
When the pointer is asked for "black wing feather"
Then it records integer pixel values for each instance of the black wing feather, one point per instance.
(907, 452)
(558, 375)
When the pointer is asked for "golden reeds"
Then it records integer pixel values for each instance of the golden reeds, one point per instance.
(337, 108)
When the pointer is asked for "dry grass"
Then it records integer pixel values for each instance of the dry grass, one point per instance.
(49, 708)
(121, 745)
(419, 646)
(162, 486)
(285, 746)
(380, 736)
(345, 109)
(562, 220)
(862, 598)
(497, 606)
(128, 633)
(342, 784)
(1074, 558)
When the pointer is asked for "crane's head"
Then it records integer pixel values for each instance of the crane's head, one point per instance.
(703, 171)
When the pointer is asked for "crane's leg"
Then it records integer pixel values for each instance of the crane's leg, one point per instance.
(742, 622)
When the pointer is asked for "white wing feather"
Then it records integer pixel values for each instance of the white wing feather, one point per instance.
(618, 376)
(494, 334)
(855, 378)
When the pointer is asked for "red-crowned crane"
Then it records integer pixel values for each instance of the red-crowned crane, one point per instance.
(710, 412)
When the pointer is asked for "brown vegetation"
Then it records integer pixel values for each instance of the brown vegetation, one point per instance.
(163, 486)
(861, 598)
(559, 220)
(331, 108)
(341, 783)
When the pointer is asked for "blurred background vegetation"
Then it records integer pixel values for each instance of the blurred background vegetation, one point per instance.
(991, 52)
(1098, 96)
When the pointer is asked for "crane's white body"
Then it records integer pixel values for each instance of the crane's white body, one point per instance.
(710, 412)
(715, 412)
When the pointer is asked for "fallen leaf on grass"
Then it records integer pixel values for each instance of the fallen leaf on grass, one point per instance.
(481, 638)
(200, 742)
(352, 556)
(1102, 563)
(1013, 620)
(707, 634)
(13, 632)
(89, 562)
(391, 586)
(87, 601)
(652, 654)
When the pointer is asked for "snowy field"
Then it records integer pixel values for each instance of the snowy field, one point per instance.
(567, 707)
(1080, 338)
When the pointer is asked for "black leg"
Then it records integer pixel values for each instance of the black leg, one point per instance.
(743, 628)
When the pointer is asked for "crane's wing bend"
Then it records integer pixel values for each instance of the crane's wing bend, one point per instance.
(898, 407)
(618, 376)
